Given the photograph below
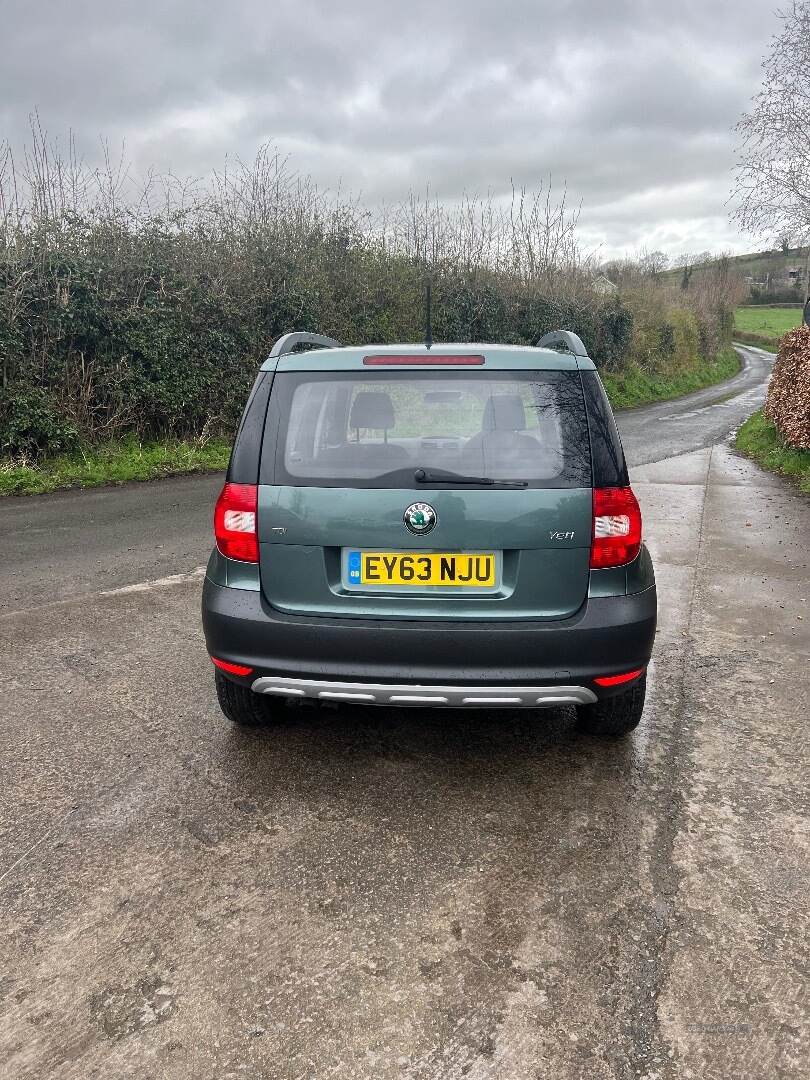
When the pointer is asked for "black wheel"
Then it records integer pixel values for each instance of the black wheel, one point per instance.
(240, 704)
(616, 715)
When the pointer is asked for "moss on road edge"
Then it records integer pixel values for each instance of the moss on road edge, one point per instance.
(760, 440)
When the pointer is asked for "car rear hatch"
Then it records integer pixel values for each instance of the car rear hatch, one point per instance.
(443, 485)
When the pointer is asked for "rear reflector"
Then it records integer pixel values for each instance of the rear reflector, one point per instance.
(235, 522)
(616, 527)
(232, 669)
(617, 680)
(394, 360)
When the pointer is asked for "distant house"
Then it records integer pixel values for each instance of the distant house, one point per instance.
(780, 281)
(603, 286)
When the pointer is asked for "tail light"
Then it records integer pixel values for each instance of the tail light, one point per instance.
(235, 522)
(424, 360)
(618, 680)
(616, 527)
(232, 669)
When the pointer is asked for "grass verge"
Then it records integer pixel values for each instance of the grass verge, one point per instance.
(760, 440)
(632, 387)
(765, 325)
(113, 463)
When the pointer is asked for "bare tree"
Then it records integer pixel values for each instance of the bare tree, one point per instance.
(773, 174)
(653, 262)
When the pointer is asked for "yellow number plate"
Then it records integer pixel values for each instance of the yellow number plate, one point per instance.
(476, 569)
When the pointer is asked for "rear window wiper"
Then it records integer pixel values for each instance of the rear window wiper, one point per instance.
(421, 476)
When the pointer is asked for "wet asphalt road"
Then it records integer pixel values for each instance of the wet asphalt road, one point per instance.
(419, 894)
(678, 427)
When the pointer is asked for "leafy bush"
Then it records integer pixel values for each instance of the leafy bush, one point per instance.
(30, 422)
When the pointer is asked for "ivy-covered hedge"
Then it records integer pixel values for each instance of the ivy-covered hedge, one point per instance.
(158, 331)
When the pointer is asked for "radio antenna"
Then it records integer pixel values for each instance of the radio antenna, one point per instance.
(428, 327)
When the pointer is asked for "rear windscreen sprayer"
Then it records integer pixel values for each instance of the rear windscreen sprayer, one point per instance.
(352, 429)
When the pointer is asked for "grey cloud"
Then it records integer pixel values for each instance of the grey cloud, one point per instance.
(630, 103)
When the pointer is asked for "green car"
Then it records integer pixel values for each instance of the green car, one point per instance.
(447, 526)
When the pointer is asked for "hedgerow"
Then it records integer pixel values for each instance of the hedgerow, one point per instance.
(148, 314)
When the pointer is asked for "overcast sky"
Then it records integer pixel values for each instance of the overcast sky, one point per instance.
(629, 102)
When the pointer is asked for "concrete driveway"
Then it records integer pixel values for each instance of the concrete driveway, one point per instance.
(414, 894)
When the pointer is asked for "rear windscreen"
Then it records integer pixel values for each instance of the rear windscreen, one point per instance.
(352, 429)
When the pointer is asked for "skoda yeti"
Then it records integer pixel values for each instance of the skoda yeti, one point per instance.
(441, 527)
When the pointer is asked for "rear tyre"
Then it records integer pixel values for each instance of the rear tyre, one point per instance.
(240, 704)
(614, 716)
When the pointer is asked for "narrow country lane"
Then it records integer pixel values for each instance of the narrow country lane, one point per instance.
(406, 894)
(670, 428)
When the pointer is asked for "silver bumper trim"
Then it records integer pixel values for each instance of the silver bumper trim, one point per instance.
(526, 697)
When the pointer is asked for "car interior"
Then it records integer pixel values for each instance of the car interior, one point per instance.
(363, 435)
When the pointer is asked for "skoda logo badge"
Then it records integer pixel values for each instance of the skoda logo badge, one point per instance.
(420, 518)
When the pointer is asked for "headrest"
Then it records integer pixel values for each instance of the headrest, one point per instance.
(372, 410)
(504, 412)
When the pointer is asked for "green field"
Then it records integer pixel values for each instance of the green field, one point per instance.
(767, 322)
(759, 439)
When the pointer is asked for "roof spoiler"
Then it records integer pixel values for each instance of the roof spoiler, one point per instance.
(287, 342)
(563, 341)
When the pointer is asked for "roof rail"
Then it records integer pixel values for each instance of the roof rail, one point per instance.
(563, 340)
(287, 342)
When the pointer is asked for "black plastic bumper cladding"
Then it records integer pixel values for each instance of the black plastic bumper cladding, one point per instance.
(608, 636)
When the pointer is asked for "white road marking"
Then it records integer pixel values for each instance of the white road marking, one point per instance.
(124, 590)
(156, 583)
(746, 397)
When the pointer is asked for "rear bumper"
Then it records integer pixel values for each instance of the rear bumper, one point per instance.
(608, 636)
(430, 694)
